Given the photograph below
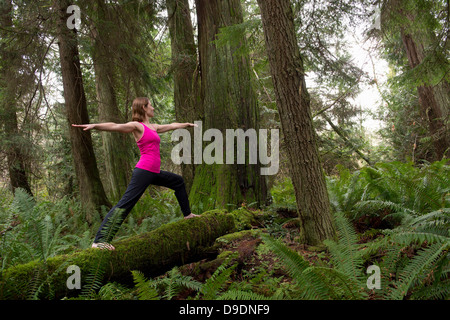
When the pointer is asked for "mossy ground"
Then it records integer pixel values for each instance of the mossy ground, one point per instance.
(257, 268)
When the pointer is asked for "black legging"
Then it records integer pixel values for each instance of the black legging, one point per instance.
(140, 180)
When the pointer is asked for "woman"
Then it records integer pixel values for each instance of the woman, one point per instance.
(147, 170)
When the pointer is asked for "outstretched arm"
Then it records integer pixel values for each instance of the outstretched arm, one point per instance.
(109, 126)
(160, 128)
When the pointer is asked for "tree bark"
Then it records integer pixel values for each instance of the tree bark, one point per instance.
(90, 186)
(429, 107)
(14, 146)
(152, 253)
(293, 104)
(228, 101)
(185, 75)
(115, 145)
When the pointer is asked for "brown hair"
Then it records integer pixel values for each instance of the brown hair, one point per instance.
(137, 112)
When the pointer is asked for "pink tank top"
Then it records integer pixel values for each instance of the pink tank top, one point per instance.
(149, 147)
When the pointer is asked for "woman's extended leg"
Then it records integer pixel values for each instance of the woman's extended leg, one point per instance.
(175, 182)
(140, 180)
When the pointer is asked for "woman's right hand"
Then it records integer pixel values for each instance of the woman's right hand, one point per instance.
(85, 127)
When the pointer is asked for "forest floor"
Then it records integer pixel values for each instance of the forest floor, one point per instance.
(255, 267)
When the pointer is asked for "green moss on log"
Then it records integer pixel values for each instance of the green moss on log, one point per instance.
(248, 219)
(153, 253)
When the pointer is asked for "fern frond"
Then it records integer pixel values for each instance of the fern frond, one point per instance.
(94, 279)
(377, 205)
(410, 237)
(345, 254)
(419, 264)
(350, 288)
(144, 289)
(311, 284)
(112, 225)
(112, 291)
(185, 281)
(241, 295)
(437, 217)
(217, 280)
(439, 291)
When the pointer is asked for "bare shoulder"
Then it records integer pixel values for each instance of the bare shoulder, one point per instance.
(135, 125)
(136, 128)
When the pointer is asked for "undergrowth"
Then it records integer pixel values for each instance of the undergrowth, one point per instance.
(394, 216)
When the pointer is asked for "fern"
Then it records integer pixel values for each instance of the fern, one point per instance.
(440, 288)
(144, 289)
(210, 289)
(113, 291)
(241, 295)
(431, 229)
(310, 283)
(174, 282)
(94, 280)
(112, 225)
(419, 264)
(344, 252)
(170, 285)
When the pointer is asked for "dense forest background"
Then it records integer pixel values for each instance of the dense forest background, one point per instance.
(358, 89)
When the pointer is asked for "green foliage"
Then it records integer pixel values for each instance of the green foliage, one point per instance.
(31, 232)
(344, 280)
(412, 253)
(283, 194)
(169, 285)
(424, 276)
(144, 289)
(166, 287)
(406, 129)
(211, 288)
(391, 190)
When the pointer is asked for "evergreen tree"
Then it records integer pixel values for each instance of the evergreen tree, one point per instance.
(293, 104)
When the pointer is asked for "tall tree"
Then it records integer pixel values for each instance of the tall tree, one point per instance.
(91, 189)
(105, 34)
(10, 77)
(417, 24)
(293, 104)
(228, 101)
(184, 70)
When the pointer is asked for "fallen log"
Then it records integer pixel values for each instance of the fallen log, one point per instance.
(152, 253)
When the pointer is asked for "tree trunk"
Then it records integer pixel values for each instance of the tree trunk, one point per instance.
(90, 186)
(293, 103)
(14, 146)
(228, 102)
(115, 145)
(184, 68)
(429, 107)
(152, 253)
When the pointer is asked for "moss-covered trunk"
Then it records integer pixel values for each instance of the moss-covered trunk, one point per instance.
(116, 146)
(228, 102)
(11, 82)
(152, 253)
(185, 72)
